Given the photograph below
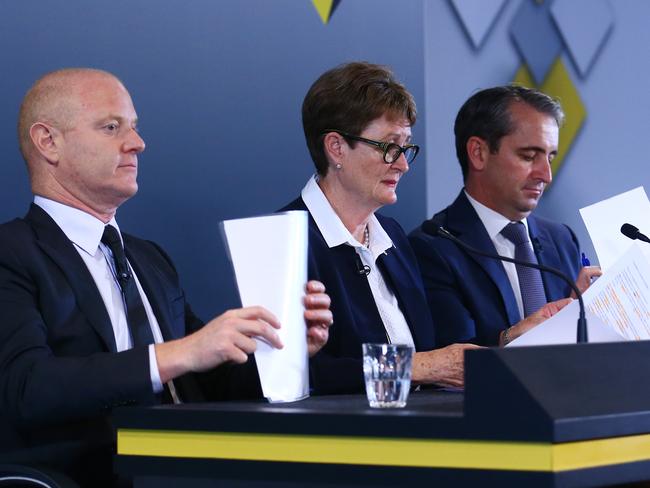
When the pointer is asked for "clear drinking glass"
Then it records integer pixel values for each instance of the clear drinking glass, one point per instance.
(387, 370)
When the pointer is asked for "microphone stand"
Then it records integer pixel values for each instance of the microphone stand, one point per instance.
(434, 230)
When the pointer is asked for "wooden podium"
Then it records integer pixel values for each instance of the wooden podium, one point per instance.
(576, 415)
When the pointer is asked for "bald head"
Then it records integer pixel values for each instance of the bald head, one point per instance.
(78, 134)
(54, 100)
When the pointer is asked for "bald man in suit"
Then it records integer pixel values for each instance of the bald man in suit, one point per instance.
(90, 317)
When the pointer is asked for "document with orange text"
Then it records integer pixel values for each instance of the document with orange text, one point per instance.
(621, 297)
(617, 307)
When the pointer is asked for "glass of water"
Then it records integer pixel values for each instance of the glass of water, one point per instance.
(387, 370)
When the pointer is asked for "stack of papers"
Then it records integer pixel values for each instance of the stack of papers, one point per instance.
(269, 256)
(618, 303)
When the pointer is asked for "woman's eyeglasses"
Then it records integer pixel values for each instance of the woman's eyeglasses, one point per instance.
(392, 151)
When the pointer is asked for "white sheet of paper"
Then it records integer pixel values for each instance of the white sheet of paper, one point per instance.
(269, 257)
(605, 218)
(562, 329)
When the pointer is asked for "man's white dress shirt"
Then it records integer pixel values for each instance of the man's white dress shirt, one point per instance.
(494, 223)
(85, 232)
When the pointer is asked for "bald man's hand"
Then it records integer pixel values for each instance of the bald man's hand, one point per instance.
(230, 337)
(226, 338)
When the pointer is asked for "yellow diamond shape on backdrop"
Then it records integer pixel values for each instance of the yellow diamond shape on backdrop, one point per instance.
(325, 8)
(558, 84)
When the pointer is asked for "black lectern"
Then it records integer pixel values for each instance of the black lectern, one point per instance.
(575, 415)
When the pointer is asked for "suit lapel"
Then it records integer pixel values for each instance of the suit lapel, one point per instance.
(58, 247)
(464, 223)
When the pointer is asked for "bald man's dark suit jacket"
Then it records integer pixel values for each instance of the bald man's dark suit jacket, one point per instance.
(470, 297)
(338, 367)
(60, 373)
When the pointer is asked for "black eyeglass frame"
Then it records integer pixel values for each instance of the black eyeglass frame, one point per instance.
(384, 146)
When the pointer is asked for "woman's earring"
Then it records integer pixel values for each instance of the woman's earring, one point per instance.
(338, 166)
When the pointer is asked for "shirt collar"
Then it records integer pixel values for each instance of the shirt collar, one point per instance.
(493, 221)
(330, 226)
(80, 227)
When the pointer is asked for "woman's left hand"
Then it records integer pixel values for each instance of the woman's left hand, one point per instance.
(317, 315)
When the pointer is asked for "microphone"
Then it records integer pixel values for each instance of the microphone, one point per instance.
(628, 230)
(437, 230)
(362, 269)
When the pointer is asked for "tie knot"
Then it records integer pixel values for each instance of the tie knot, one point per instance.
(111, 237)
(516, 233)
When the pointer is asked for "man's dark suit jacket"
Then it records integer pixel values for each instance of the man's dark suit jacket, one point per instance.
(470, 297)
(338, 367)
(60, 373)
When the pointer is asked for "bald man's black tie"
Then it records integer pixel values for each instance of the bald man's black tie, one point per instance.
(136, 315)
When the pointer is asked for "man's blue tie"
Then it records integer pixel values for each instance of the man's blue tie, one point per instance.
(136, 315)
(530, 280)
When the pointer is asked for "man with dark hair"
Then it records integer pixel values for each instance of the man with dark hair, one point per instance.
(92, 318)
(506, 138)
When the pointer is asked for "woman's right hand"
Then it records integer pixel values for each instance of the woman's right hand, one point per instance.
(444, 367)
